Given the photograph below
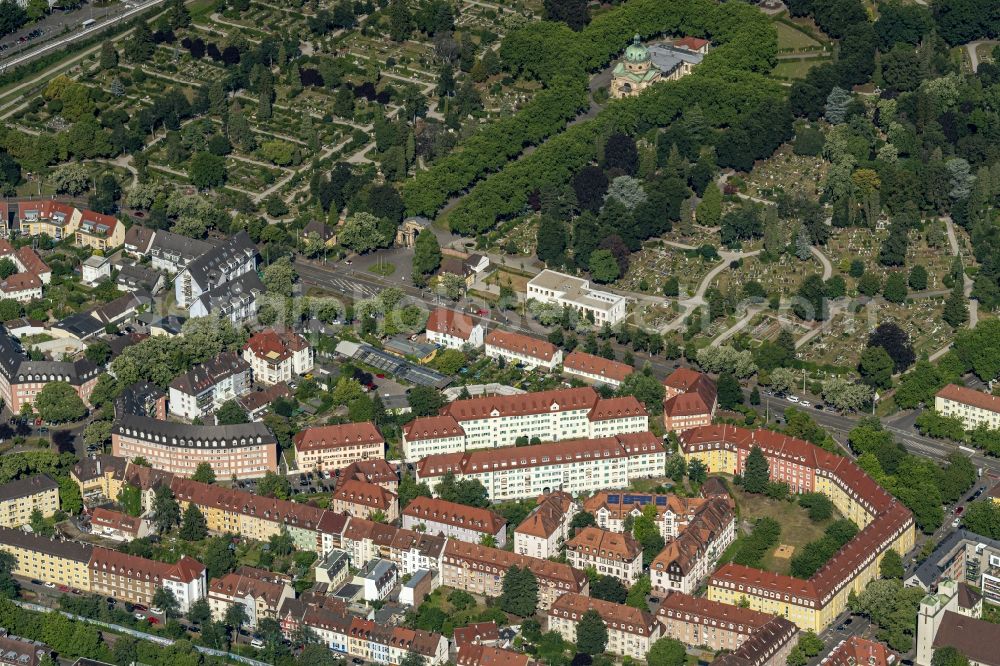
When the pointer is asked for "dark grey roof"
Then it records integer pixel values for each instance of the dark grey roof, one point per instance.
(203, 377)
(929, 571)
(81, 325)
(214, 266)
(183, 435)
(118, 309)
(135, 276)
(224, 298)
(11, 355)
(319, 229)
(70, 550)
(169, 323)
(26, 487)
(761, 646)
(89, 469)
(139, 398)
(16, 366)
(176, 248)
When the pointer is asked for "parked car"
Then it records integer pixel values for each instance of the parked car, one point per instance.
(155, 610)
(959, 510)
(63, 588)
(805, 403)
(35, 581)
(139, 616)
(49, 585)
(792, 398)
(956, 522)
(140, 607)
(152, 620)
(257, 643)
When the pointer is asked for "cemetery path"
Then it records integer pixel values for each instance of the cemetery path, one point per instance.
(697, 300)
(827, 266)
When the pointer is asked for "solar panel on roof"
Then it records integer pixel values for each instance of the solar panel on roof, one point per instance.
(661, 501)
(613, 499)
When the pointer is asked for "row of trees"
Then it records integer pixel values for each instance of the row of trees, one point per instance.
(922, 485)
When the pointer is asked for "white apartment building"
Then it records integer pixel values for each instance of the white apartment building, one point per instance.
(631, 631)
(278, 356)
(973, 407)
(411, 551)
(523, 349)
(94, 269)
(573, 292)
(610, 553)
(223, 263)
(546, 528)
(496, 421)
(688, 559)
(573, 466)
(454, 330)
(455, 521)
(205, 387)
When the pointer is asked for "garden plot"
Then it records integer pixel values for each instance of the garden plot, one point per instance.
(251, 177)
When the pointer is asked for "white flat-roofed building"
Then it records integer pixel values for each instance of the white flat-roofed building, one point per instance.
(573, 292)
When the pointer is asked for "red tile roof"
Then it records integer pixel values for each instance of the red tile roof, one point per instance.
(971, 397)
(522, 344)
(546, 518)
(32, 262)
(540, 455)
(617, 408)
(595, 542)
(562, 575)
(616, 616)
(186, 570)
(367, 494)
(378, 471)
(699, 610)
(479, 632)
(540, 402)
(697, 393)
(272, 345)
(432, 427)
(247, 581)
(20, 282)
(337, 436)
(693, 43)
(452, 513)
(857, 651)
(115, 520)
(890, 518)
(597, 365)
(486, 655)
(449, 322)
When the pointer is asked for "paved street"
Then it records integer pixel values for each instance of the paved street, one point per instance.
(62, 28)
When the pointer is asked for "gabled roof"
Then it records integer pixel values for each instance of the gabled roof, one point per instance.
(595, 542)
(214, 266)
(363, 493)
(20, 282)
(563, 575)
(616, 616)
(26, 487)
(32, 262)
(470, 654)
(116, 520)
(547, 517)
(539, 455)
(522, 344)
(590, 364)
(139, 237)
(205, 376)
(458, 515)
(275, 346)
(523, 404)
(337, 436)
(450, 322)
(971, 397)
(857, 651)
